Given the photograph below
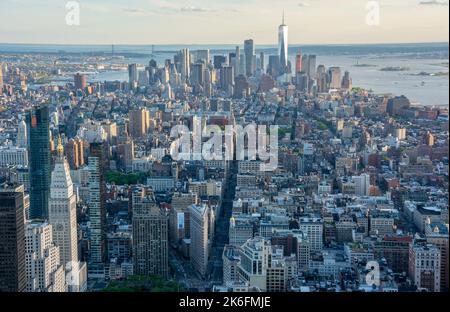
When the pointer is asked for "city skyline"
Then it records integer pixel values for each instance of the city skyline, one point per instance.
(258, 167)
(406, 21)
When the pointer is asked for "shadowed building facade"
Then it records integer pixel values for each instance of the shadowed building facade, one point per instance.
(12, 239)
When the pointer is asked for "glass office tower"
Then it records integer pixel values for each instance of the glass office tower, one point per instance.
(39, 157)
(283, 46)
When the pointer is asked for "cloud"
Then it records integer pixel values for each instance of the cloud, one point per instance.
(433, 2)
(165, 6)
(195, 9)
(134, 10)
(303, 4)
(198, 7)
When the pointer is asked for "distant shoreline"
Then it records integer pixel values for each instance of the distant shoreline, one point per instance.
(148, 49)
(230, 44)
(370, 57)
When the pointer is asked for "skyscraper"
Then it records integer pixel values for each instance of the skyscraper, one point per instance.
(273, 68)
(219, 61)
(75, 153)
(125, 151)
(133, 75)
(12, 239)
(283, 46)
(202, 56)
(150, 235)
(199, 224)
(237, 67)
(197, 74)
(97, 212)
(298, 62)
(22, 134)
(1, 78)
(249, 51)
(312, 60)
(139, 122)
(80, 81)
(241, 87)
(185, 64)
(242, 65)
(62, 208)
(143, 78)
(346, 81)
(232, 59)
(262, 64)
(305, 64)
(45, 273)
(322, 79)
(309, 65)
(39, 158)
(227, 78)
(208, 78)
(335, 77)
(63, 218)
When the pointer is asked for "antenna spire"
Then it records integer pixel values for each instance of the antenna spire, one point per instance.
(283, 17)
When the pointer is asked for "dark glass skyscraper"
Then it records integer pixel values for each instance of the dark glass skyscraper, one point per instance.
(12, 239)
(97, 212)
(39, 157)
(249, 49)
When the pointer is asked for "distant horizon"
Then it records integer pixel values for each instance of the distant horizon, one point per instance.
(225, 44)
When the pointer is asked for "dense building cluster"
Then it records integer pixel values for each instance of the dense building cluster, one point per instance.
(91, 192)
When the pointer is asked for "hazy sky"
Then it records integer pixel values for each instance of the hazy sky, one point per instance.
(222, 21)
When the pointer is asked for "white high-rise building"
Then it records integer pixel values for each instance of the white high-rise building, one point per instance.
(237, 67)
(44, 270)
(199, 224)
(63, 218)
(362, 185)
(62, 209)
(22, 134)
(313, 228)
(185, 64)
(283, 46)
